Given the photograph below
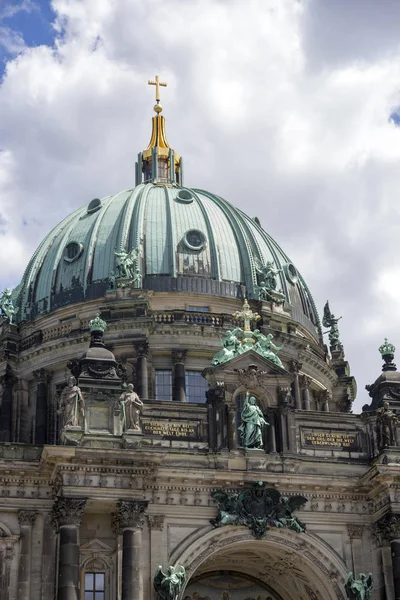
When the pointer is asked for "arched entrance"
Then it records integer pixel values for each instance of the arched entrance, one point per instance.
(230, 564)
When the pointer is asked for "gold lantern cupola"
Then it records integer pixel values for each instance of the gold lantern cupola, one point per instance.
(159, 163)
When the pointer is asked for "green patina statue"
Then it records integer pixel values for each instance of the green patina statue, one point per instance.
(331, 321)
(358, 589)
(7, 309)
(253, 424)
(241, 340)
(126, 263)
(258, 508)
(267, 282)
(169, 585)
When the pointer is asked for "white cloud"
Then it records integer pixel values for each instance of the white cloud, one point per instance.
(287, 125)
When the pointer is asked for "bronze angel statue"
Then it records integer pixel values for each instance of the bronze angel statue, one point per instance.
(358, 589)
(228, 508)
(329, 320)
(169, 585)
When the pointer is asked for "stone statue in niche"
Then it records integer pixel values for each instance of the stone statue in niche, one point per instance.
(358, 589)
(72, 404)
(252, 425)
(169, 585)
(386, 423)
(131, 406)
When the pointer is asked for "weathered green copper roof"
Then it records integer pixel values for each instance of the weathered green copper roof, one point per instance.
(218, 258)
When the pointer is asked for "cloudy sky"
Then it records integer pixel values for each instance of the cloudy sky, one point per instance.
(287, 108)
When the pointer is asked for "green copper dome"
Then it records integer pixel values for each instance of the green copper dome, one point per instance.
(184, 240)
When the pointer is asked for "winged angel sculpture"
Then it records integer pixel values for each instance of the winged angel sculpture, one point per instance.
(169, 585)
(329, 320)
(358, 589)
(258, 508)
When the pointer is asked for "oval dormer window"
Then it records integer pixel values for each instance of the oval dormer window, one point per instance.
(291, 273)
(184, 196)
(72, 251)
(195, 239)
(93, 205)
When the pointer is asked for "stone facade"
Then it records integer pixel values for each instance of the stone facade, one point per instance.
(95, 499)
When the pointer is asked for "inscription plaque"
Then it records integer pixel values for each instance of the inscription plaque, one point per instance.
(330, 440)
(172, 429)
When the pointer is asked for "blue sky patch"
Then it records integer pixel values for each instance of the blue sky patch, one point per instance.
(24, 23)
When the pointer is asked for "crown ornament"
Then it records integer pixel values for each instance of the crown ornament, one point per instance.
(97, 324)
(387, 351)
(386, 348)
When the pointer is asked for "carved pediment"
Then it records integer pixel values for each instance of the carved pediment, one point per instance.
(96, 545)
(245, 360)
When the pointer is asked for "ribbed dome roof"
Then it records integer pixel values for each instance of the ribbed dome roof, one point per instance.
(188, 240)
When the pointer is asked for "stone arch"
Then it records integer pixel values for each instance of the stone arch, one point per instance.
(307, 554)
(263, 396)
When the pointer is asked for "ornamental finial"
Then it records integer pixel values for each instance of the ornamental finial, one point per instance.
(97, 324)
(386, 348)
(157, 83)
(387, 351)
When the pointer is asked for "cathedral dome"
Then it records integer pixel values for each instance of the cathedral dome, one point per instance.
(184, 240)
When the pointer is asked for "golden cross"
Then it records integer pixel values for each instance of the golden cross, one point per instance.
(157, 83)
(247, 315)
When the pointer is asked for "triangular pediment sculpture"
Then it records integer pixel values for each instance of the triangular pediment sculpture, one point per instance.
(248, 358)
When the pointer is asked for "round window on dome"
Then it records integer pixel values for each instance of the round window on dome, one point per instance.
(93, 205)
(291, 273)
(195, 239)
(185, 196)
(72, 251)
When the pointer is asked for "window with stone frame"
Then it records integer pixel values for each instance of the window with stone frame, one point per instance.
(196, 387)
(163, 384)
(95, 586)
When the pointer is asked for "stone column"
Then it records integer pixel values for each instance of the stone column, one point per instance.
(42, 378)
(6, 389)
(157, 557)
(179, 387)
(232, 428)
(26, 520)
(325, 399)
(271, 432)
(129, 519)
(296, 366)
(305, 384)
(142, 376)
(67, 517)
(395, 548)
(355, 533)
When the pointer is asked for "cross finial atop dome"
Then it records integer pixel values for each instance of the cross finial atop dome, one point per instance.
(157, 83)
(159, 163)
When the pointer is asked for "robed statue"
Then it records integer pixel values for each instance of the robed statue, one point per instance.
(386, 423)
(131, 408)
(169, 585)
(358, 589)
(126, 262)
(71, 404)
(252, 425)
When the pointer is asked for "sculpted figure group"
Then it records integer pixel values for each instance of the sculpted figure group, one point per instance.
(7, 309)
